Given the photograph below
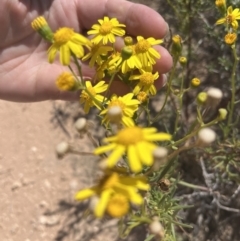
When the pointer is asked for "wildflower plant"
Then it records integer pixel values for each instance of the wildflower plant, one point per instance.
(140, 156)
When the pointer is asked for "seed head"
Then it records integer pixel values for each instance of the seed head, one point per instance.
(206, 136)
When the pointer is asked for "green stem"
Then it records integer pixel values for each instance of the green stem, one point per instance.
(233, 89)
(186, 184)
(155, 119)
(78, 67)
(185, 138)
(179, 109)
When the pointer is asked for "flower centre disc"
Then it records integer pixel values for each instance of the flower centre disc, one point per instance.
(130, 136)
(229, 19)
(147, 79)
(106, 28)
(118, 206)
(142, 46)
(63, 35)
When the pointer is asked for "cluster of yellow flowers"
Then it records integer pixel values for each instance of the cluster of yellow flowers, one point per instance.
(230, 18)
(133, 65)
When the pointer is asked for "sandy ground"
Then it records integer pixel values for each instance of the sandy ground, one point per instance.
(37, 189)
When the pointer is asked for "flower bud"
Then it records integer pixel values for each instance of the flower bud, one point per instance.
(160, 152)
(195, 82)
(206, 136)
(128, 41)
(156, 228)
(202, 98)
(176, 45)
(126, 52)
(160, 157)
(40, 25)
(62, 149)
(222, 114)
(214, 96)
(182, 60)
(221, 5)
(230, 38)
(114, 114)
(81, 125)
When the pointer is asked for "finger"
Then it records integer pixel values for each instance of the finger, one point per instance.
(164, 64)
(138, 18)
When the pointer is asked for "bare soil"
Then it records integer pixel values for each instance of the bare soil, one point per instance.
(37, 189)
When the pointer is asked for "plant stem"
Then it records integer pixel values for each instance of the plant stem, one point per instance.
(168, 91)
(233, 89)
(179, 109)
(186, 184)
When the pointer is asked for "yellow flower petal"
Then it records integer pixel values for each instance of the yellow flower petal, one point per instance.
(103, 149)
(52, 51)
(139, 181)
(85, 193)
(127, 121)
(115, 155)
(144, 151)
(65, 55)
(220, 21)
(130, 192)
(158, 137)
(102, 204)
(134, 160)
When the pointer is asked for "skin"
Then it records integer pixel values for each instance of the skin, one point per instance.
(25, 74)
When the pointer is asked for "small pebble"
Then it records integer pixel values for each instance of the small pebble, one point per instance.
(49, 220)
(16, 185)
(43, 204)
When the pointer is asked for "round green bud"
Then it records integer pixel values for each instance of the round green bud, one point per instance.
(202, 98)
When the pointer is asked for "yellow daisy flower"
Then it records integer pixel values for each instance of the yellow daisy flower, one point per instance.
(106, 68)
(112, 191)
(129, 62)
(136, 143)
(127, 105)
(145, 52)
(66, 81)
(94, 99)
(95, 53)
(146, 82)
(106, 30)
(142, 97)
(231, 17)
(67, 42)
(230, 38)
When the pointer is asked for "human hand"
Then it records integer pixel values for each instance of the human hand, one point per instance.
(26, 75)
